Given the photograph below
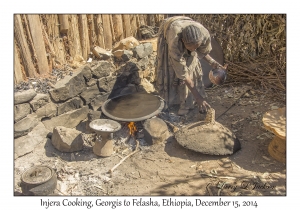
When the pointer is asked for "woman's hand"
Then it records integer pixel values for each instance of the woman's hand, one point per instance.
(203, 105)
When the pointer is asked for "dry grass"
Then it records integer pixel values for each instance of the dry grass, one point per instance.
(254, 46)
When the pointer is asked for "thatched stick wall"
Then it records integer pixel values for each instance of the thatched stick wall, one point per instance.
(253, 45)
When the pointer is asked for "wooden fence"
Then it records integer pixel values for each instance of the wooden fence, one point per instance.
(43, 41)
(253, 45)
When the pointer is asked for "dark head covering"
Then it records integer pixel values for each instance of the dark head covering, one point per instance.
(191, 34)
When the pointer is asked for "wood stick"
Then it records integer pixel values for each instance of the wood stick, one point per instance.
(107, 31)
(118, 27)
(99, 31)
(24, 49)
(121, 161)
(38, 43)
(174, 128)
(91, 30)
(133, 25)
(126, 24)
(74, 37)
(63, 24)
(233, 103)
(84, 36)
(18, 75)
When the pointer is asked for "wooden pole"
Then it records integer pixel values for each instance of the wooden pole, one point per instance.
(24, 50)
(74, 37)
(99, 31)
(142, 20)
(17, 66)
(126, 23)
(91, 30)
(84, 36)
(55, 39)
(133, 25)
(38, 42)
(151, 20)
(107, 32)
(112, 29)
(118, 27)
(63, 24)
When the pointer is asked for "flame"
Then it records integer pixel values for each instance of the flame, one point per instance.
(132, 128)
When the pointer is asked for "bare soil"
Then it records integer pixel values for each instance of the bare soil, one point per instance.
(168, 169)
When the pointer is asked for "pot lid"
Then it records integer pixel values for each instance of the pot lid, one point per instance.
(133, 107)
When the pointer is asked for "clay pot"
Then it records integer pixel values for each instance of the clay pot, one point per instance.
(38, 180)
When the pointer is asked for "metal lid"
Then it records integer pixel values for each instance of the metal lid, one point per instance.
(133, 107)
(37, 175)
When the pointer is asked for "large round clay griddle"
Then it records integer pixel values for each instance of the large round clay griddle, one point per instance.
(208, 137)
(217, 54)
(133, 107)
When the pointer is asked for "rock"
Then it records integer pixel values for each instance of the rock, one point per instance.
(90, 93)
(92, 115)
(142, 50)
(26, 144)
(38, 101)
(103, 69)
(67, 139)
(91, 82)
(143, 63)
(107, 84)
(25, 125)
(128, 90)
(146, 86)
(24, 96)
(153, 42)
(69, 87)
(97, 102)
(70, 119)
(124, 55)
(155, 131)
(129, 68)
(21, 111)
(77, 61)
(86, 71)
(126, 44)
(101, 53)
(49, 110)
(72, 104)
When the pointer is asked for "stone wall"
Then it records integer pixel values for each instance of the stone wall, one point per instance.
(127, 69)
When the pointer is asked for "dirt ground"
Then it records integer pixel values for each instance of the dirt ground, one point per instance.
(168, 169)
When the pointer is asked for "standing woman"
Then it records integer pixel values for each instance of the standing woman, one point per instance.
(181, 43)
